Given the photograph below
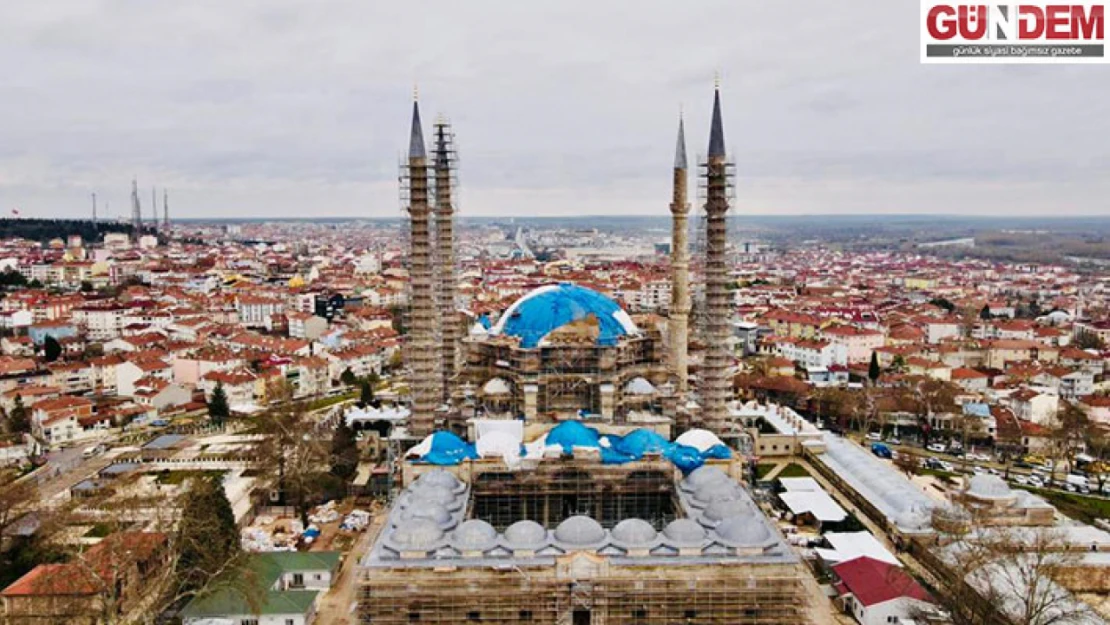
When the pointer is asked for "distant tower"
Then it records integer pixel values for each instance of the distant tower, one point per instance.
(421, 351)
(445, 163)
(136, 212)
(715, 386)
(680, 265)
(153, 208)
(94, 208)
(165, 210)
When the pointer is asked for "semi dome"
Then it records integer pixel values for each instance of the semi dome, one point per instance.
(525, 534)
(683, 532)
(744, 531)
(548, 308)
(580, 530)
(474, 534)
(634, 532)
(417, 534)
(988, 486)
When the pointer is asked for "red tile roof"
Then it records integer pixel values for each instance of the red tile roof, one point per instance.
(874, 581)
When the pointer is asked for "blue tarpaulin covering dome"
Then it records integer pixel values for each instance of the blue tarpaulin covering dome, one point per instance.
(445, 448)
(537, 314)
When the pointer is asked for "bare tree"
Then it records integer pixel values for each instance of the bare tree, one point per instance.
(294, 454)
(1012, 575)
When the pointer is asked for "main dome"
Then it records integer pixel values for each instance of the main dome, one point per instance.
(548, 308)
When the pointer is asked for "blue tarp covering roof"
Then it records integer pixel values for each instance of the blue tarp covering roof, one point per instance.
(977, 410)
(448, 449)
(547, 308)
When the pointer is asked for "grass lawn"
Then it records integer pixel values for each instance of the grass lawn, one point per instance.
(944, 475)
(761, 470)
(1078, 507)
(331, 401)
(793, 470)
(176, 478)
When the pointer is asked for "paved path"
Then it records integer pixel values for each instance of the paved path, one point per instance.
(335, 608)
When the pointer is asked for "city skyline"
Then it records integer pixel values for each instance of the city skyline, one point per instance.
(275, 111)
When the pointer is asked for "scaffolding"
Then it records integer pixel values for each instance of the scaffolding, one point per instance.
(722, 594)
(421, 355)
(552, 493)
(446, 166)
(717, 173)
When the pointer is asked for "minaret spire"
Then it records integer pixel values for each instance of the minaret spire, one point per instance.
(420, 347)
(450, 329)
(714, 386)
(680, 265)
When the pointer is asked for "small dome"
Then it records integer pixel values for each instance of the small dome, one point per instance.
(989, 486)
(684, 532)
(634, 532)
(722, 509)
(474, 534)
(580, 530)
(434, 494)
(428, 510)
(744, 531)
(703, 476)
(525, 534)
(417, 534)
(717, 491)
(440, 478)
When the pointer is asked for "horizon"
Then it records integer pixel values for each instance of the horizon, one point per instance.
(277, 109)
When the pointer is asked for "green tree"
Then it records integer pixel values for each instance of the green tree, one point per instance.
(344, 451)
(873, 371)
(51, 348)
(207, 537)
(1088, 340)
(366, 392)
(18, 420)
(218, 410)
(348, 377)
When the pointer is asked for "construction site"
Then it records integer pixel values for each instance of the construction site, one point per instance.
(570, 504)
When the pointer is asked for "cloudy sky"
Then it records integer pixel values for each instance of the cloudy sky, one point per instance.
(291, 108)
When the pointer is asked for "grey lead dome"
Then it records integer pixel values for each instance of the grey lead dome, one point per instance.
(580, 530)
(634, 532)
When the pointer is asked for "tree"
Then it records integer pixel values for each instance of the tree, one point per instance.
(873, 370)
(207, 537)
(999, 573)
(985, 312)
(51, 348)
(344, 451)
(348, 377)
(292, 454)
(218, 410)
(1068, 434)
(366, 393)
(1088, 340)
(18, 420)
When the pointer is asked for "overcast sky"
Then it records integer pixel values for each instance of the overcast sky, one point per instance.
(290, 108)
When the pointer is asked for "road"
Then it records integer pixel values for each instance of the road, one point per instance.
(336, 607)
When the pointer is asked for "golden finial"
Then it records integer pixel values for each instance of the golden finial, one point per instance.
(717, 79)
(415, 92)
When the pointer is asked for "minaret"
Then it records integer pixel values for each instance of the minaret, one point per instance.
(94, 208)
(714, 384)
(136, 212)
(165, 210)
(153, 208)
(445, 253)
(420, 349)
(680, 265)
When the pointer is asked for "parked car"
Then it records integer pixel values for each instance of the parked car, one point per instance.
(1036, 481)
(1021, 479)
(946, 466)
(894, 440)
(978, 470)
(881, 450)
(874, 436)
(937, 448)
